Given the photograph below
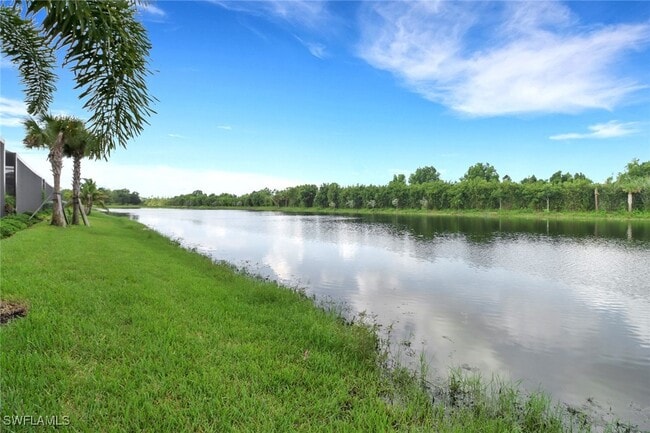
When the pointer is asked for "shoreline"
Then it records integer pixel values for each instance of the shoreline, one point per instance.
(490, 214)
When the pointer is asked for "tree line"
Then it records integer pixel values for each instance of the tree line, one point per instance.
(481, 188)
(92, 194)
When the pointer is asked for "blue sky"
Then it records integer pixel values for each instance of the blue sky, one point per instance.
(279, 93)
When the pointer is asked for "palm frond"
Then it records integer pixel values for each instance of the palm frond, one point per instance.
(107, 50)
(23, 44)
(36, 135)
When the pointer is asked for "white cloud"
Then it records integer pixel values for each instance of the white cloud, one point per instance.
(315, 48)
(225, 127)
(179, 136)
(152, 10)
(308, 16)
(67, 113)
(533, 60)
(610, 129)
(304, 13)
(159, 180)
(12, 112)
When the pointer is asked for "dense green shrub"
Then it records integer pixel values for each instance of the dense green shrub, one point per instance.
(6, 231)
(13, 223)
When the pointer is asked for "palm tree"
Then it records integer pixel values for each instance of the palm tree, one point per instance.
(81, 144)
(103, 45)
(53, 133)
(90, 194)
(635, 179)
(631, 185)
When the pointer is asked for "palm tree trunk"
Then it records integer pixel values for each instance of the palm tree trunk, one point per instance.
(76, 189)
(56, 160)
(630, 201)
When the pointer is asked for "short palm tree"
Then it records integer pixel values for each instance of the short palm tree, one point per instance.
(90, 195)
(53, 133)
(631, 185)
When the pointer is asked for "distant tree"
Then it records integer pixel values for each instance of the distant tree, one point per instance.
(529, 179)
(481, 171)
(307, 194)
(559, 177)
(635, 179)
(397, 190)
(333, 192)
(134, 198)
(263, 197)
(638, 169)
(196, 198)
(125, 197)
(548, 192)
(581, 177)
(320, 199)
(424, 175)
(353, 196)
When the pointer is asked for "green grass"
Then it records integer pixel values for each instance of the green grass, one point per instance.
(518, 213)
(479, 213)
(128, 332)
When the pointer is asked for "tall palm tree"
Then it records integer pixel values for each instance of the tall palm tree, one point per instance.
(79, 145)
(103, 45)
(53, 133)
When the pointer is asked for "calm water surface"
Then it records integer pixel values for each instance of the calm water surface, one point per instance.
(564, 306)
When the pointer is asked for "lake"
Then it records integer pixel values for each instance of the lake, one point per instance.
(560, 305)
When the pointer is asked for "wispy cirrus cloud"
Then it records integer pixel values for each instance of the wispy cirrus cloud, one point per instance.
(533, 58)
(151, 10)
(612, 129)
(12, 112)
(303, 13)
(307, 16)
(225, 127)
(315, 48)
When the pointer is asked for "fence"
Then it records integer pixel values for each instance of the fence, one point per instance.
(17, 179)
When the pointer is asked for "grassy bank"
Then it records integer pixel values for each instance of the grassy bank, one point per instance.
(126, 331)
(528, 214)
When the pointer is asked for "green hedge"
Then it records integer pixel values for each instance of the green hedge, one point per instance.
(13, 223)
